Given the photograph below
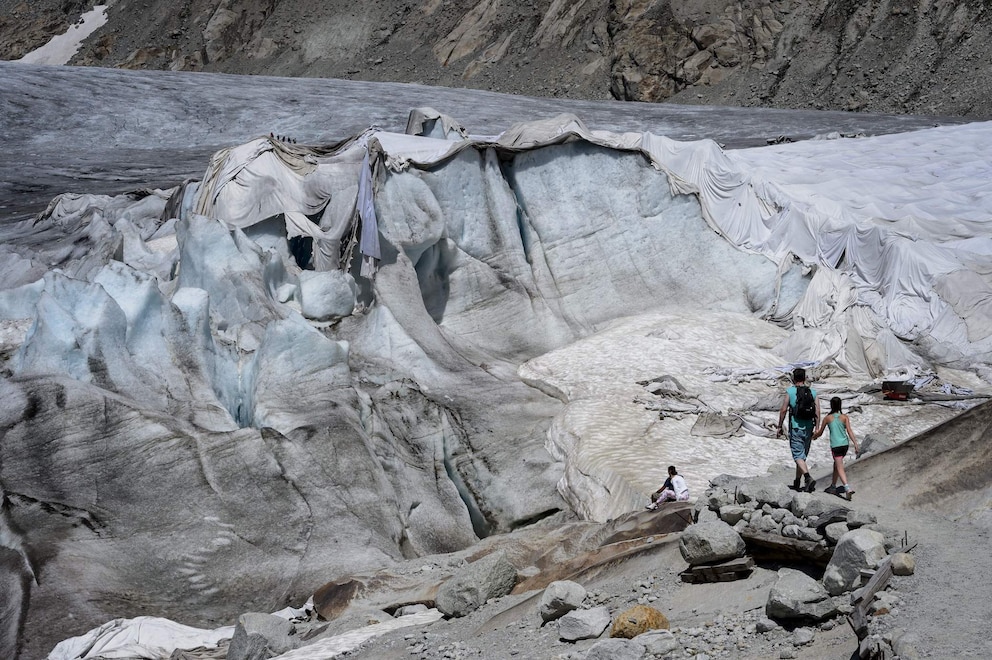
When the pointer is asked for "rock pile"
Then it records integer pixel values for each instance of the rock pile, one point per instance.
(838, 545)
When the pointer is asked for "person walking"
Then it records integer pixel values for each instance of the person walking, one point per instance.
(673, 490)
(841, 437)
(804, 414)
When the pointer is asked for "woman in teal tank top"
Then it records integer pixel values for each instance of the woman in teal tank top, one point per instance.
(841, 437)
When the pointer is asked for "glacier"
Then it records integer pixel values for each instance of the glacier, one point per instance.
(325, 359)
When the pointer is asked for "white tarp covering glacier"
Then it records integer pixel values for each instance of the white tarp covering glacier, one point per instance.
(596, 293)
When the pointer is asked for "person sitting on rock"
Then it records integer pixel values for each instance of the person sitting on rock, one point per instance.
(841, 436)
(673, 490)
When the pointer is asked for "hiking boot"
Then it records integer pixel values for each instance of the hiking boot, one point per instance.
(810, 483)
(832, 490)
(796, 484)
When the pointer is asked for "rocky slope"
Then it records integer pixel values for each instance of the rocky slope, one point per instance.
(924, 57)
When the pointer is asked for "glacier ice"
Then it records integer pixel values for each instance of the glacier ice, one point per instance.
(228, 389)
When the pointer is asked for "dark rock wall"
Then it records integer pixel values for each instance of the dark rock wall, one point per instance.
(903, 57)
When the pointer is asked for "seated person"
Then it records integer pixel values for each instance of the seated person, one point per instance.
(673, 490)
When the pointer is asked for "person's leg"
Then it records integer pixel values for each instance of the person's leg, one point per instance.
(667, 495)
(839, 469)
(800, 440)
(797, 445)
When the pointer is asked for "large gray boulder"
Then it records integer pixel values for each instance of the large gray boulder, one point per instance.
(258, 636)
(583, 624)
(711, 541)
(776, 494)
(658, 642)
(812, 505)
(616, 649)
(860, 548)
(468, 589)
(560, 598)
(796, 596)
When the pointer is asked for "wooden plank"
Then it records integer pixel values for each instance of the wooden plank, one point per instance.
(905, 548)
(858, 621)
(727, 571)
(877, 582)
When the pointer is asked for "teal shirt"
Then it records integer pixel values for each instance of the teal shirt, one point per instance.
(838, 432)
(806, 424)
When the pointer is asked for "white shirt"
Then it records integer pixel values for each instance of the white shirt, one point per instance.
(680, 487)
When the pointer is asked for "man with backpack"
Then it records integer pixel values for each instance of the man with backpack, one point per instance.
(804, 415)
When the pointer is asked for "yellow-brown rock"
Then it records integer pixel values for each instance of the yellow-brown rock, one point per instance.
(638, 619)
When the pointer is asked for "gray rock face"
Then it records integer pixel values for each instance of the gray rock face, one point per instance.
(560, 598)
(858, 549)
(796, 596)
(709, 542)
(648, 55)
(491, 576)
(616, 649)
(583, 624)
(259, 636)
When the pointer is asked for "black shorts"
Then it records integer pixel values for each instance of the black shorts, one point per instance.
(839, 451)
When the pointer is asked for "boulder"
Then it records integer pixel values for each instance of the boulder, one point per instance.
(893, 536)
(258, 636)
(469, 588)
(858, 549)
(637, 620)
(765, 524)
(903, 563)
(327, 295)
(583, 624)
(728, 481)
(615, 649)
(796, 596)
(904, 645)
(707, 515)
(857, 518)
(710, 542)
(718, 497)
(820, 504)
(658, 642)
(560, 598)
(777, 495)
(732, 514)
(765, 624)
(834, 531)
(802, 533)
(802, 636)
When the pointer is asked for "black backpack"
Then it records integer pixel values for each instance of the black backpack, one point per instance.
(805, 410)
